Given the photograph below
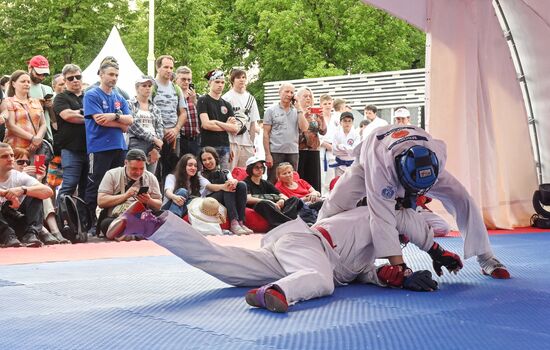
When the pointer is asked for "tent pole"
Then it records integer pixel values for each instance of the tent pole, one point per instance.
(151, 54)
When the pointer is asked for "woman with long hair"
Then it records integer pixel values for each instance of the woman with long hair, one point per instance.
(25, 123)
(226, 190)
(309, 164)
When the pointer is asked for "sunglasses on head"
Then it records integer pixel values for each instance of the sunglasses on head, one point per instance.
(23, 162)
(77, 77)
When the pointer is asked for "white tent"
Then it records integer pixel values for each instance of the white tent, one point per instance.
(475, 102)
(128, 73)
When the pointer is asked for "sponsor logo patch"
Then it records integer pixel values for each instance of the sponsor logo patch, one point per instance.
(425, 173)
(223, 109)
(399, 134)
(117, 104)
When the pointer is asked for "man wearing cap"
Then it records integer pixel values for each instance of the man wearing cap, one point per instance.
(216, 117)
(107, 116)
(401, 116)
(374, 120)
(171, 102)
(39, 69)
(116, 88)
(125, 185)
(345, 140)
(395, 165)
(71, 133)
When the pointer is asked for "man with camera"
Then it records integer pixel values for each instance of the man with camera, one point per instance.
(39, 69)
(190, 133)
(123, 186)
(21, 196)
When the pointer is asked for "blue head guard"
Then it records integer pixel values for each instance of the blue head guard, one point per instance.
(417, 169)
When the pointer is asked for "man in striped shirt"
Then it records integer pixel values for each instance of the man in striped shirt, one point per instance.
(190, 133)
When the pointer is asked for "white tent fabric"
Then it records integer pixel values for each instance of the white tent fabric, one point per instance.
(128, 73)
(474, 103)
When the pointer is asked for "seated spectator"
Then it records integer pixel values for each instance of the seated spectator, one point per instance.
(125, 185)
(23, 164)
(226, 190)
(344, 141)
(265, 198)
(147, 130)
(25, 194)
(184, 184)
(297, 188)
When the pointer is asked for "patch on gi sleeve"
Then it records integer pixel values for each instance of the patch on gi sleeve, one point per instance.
(388, 192)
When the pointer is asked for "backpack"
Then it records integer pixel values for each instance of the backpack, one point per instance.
(74, 219)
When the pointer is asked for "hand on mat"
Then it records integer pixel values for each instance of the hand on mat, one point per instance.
(392, 275)
(442, 257)
(420, 281)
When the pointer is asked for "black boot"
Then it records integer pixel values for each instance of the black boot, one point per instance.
(8, 238)
(47, 238)
(30, 240)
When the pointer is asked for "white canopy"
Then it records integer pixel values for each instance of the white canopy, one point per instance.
(128, 73)
(474, 100)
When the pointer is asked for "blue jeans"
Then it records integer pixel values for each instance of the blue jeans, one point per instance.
(75, 170)
(180, 211)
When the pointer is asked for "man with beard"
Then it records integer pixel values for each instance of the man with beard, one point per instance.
(106, 117)
(39, 69)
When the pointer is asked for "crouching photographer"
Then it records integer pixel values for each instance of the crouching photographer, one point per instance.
(21, 198)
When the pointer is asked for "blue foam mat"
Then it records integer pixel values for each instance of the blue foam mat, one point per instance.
(163, 303)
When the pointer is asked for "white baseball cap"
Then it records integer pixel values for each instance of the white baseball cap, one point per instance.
(254, 160)
(401, 113)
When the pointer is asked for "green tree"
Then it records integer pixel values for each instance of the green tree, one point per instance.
(64, 31)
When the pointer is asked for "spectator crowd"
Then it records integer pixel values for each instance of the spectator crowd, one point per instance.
(164, 146)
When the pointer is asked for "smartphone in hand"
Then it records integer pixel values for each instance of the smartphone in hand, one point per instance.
(143, 189)
(191, 86)
(315, 110)
(39, 160)
(48, 97)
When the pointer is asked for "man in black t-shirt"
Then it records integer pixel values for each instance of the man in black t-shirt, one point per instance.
(216, 118)
(71, 132)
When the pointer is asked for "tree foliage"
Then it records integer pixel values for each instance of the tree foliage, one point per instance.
(282, 39)
(65, 31)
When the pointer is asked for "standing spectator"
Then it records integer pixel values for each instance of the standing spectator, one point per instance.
(25, 195)
(71, 133)
(190, 141)
(26, 125)
(402, 116)
(345, 140)
(216, 117)
(169, 98)
(309, 164)
(245, 106)
(86, 87)
(107, 116)
(39, 69)
(122, 186)
(374, 121)
(283, 123)
(362, 125)
(332, 120)
(147, 130)
(58, 83)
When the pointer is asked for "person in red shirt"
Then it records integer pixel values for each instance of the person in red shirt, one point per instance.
(296, 187)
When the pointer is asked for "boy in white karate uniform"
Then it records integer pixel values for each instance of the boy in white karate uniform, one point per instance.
(345, 140)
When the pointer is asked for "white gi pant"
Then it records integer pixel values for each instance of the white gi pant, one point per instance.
(293, 256)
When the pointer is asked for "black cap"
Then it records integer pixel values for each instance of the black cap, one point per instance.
(346, 115)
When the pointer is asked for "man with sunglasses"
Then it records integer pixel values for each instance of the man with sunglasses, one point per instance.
(39, 69)
(395, 164)
(71, 132)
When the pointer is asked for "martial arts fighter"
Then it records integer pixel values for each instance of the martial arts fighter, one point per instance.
(394, 165)
(296, 262)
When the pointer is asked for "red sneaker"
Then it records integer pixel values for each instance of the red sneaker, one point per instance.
(269, 297)
(494, 268)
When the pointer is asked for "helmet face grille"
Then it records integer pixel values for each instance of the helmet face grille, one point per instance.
(417, 169)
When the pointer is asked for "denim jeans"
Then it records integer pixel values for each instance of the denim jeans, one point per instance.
(75, 173)
(177, 209)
